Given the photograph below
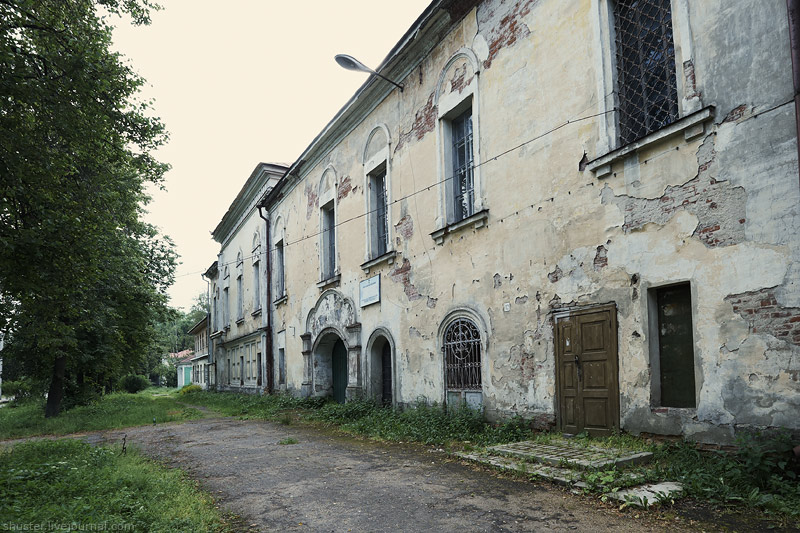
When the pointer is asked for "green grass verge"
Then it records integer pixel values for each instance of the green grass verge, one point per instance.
(63, 484)
(109, 412)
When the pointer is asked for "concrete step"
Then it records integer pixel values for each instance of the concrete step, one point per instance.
(571, 455)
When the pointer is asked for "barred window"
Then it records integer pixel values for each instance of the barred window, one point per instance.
(648, 95)
(462, 351)
(379, 213)
(463, 161)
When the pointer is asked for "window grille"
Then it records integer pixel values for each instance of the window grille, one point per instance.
(648, 96)
(462, 349)
(381, 213)
(463, 160)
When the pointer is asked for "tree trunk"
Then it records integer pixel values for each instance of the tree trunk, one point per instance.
(56, 393)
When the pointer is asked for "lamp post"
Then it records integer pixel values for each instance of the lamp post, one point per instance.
(351, 63)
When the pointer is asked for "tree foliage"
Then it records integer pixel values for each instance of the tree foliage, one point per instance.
(82, 278)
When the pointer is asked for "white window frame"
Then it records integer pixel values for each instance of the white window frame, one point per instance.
(239, 287)
(379, 162)
(450, 105)
(279, 262)
(327, 201)
(256, 272)
(689, 100)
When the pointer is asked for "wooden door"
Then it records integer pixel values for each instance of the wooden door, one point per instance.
(339, 371)
(587, 372)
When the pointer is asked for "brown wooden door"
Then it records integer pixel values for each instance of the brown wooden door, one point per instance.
(587, 371)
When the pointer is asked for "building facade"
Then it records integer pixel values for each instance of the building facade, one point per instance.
(238, 285)
(582, 212)
(200, 359)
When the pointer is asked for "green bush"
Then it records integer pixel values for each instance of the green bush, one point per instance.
(18, 389)
(190, 388)
(133, 383)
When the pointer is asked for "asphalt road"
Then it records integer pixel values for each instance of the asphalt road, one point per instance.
(330, 482)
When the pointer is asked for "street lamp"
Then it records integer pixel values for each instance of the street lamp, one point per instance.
(351, 63)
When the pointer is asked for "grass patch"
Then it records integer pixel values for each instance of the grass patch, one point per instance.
(111, 411)
(288, 440)
(68, 483)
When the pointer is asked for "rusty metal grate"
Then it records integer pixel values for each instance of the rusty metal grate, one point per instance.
(462, 350)
(648, 96)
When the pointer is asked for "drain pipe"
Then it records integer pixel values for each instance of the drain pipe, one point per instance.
(793, 10)
(267, 260)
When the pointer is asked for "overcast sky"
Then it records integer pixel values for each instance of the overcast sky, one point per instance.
(240, 82)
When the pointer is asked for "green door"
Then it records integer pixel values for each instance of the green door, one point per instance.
(187, 375)
(339, 368)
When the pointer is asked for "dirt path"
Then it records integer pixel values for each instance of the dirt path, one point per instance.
(330, 482)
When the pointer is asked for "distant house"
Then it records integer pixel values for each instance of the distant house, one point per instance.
(200, 362)
(183, 362)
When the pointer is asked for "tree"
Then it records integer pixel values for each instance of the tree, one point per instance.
(84, 276)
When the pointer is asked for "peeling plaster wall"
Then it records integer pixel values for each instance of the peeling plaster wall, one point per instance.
(720, 212)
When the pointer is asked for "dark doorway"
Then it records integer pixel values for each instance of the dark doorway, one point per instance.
(339, 371)
(241, 370)
(586, 371)
(270, 373)
(386, 374)
(676, 346)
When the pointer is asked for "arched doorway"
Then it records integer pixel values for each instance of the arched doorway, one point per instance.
(339, 371)
(381, 373)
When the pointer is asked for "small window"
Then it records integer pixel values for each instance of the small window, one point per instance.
(462, 351)
(328, 252)
(675, 361)
(280, 284)
(378, 212)
(463, 162)
(645, 55)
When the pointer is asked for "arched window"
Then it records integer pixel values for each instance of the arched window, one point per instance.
(239, 287)
(462, 353)
(256, 272)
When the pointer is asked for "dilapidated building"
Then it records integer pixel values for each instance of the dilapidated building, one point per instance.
(240, 357)
(582, 212)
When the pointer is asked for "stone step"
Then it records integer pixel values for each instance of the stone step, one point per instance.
(566, 454)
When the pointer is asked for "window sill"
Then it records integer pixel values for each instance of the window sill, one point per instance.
(330, 282)
(692, 126)
(475, 221)
(280, 300)
(674, 411)
(217, 334)
(387, 258)
(255, 313)
(239, 321)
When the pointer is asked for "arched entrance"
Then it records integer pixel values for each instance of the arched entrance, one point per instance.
(330, 366)
(339, 371)
(381, 367)
(332, 349)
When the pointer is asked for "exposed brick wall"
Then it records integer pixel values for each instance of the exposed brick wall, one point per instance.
(405, 227)
(502, 26)
(345, 186)
(719, 207)
(424, 122)
(761, 310)
(402, 274)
